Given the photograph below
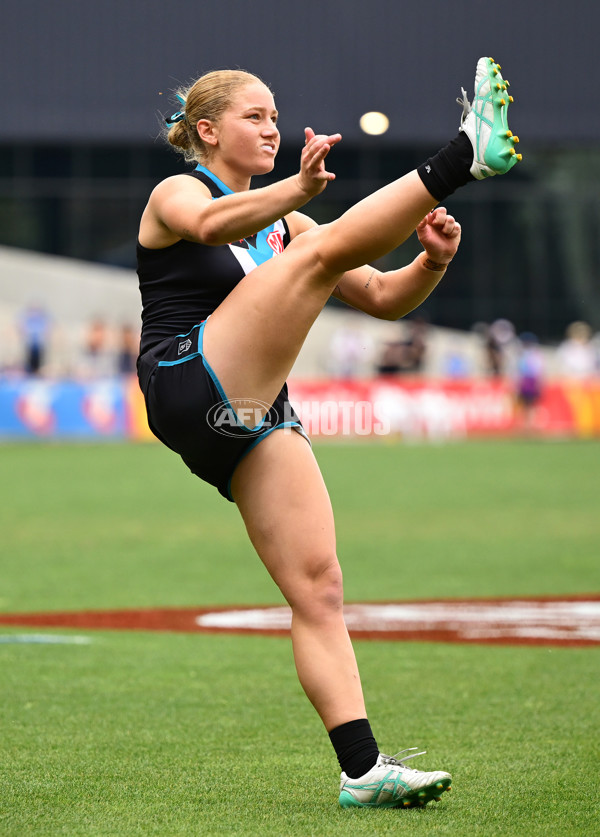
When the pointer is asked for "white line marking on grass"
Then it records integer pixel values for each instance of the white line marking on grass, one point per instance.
(510, 620)
(43, 639)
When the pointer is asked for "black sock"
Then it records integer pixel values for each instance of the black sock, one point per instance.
(355, 747)
(449, 168)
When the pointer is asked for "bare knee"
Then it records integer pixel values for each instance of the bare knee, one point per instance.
(318, 594)
(318, 247)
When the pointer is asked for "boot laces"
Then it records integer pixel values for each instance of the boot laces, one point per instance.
(399, 762)
(467, 107)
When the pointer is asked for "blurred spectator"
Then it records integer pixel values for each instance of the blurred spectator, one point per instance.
(407, 353)
(456, 365)
(576, 355)
(97, 361)
(497, 338)
(127, 350)
(415, 346)
(34, 326)
(392, 357)
(530, 374)
(350, 350)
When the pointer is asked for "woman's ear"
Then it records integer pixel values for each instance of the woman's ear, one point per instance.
(207, 131)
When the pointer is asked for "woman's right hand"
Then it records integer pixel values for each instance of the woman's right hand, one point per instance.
(313, 176)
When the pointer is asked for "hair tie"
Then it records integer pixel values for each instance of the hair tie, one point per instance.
(179, 116)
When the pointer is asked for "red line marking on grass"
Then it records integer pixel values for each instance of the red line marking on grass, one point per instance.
(572, 621)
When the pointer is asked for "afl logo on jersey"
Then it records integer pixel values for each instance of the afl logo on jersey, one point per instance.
(275, 242)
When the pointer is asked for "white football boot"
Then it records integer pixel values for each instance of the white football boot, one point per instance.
(391, 784)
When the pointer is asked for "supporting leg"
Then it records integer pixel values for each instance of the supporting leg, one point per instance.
(284, 503)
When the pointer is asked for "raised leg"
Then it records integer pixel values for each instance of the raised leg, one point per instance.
(253, 338)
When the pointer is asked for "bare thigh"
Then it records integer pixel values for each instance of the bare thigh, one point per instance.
(253, 338)
(281, 495)
(284, 502)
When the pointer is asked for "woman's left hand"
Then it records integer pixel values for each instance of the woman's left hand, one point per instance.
(313, 176)
(439, 233)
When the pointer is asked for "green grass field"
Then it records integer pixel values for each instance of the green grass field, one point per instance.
(177, 734)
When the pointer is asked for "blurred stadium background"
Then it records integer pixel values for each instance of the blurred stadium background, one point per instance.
(86, 85)
(141, 733)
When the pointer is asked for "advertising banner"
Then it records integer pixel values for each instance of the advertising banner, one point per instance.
(46, 409)
(427, 409)
(402, 408)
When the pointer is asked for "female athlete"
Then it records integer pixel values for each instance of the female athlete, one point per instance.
(231, 281)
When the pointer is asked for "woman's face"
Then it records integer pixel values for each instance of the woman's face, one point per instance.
(246, 138)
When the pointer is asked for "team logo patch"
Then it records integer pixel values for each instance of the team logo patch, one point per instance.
(275, 242)
(184, 346)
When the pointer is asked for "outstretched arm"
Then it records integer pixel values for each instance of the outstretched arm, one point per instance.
(393, 294)
(181, 207)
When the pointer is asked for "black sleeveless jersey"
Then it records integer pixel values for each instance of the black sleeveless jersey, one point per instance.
(184, 283)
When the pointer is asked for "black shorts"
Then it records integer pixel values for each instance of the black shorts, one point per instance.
(189, 412)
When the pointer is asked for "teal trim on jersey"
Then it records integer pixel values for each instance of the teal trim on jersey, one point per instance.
(187, 357)
(260, 252)
(215, 180)
(200, 353)
(181, 360)
(217, 383)
(193, 328)
(259, 439)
